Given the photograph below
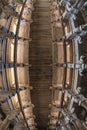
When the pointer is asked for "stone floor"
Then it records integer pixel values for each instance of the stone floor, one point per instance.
(41, 60)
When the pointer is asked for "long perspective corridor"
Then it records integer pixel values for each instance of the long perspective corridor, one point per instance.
(43, 64)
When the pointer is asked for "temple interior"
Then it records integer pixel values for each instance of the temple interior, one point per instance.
(43, 65)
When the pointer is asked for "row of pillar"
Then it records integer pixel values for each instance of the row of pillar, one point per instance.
(68, 66)
(15, 101)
